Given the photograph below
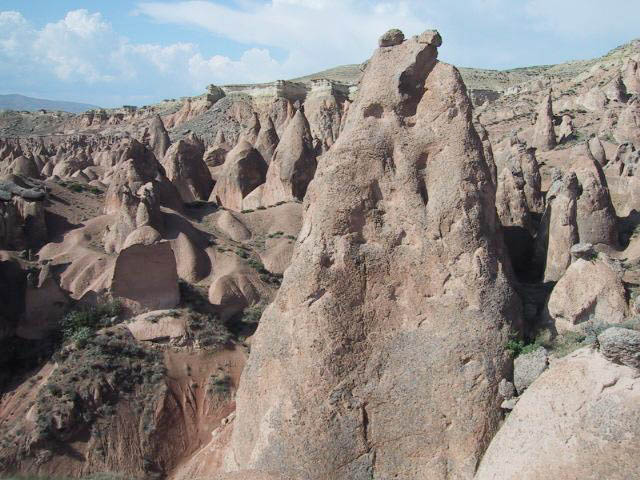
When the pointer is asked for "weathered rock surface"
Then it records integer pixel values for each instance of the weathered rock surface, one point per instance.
(243, 171)
(157, 137)
(185, 167)
(604, 301)
(146, 277)
(578, 421)
(527, 367)
(628, 126)
(544, 136)
(293, 165)
(22, 215)
(559, 227)
(621, 346)
(595, 214)
(400, 243)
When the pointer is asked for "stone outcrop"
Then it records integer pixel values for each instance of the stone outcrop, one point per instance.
(631, 77)
(145, 277)
(628, 126)
(511, 202)
(529, 366)
(22, 216)
(382, 352)
(185, 167)
(567, 130)
(559, 226)
(595, 214)
(243, 171)
(293, 165)
(267, 140)
(597, 151)
(621, 346)
(488, 151)
(157, 138)
(571, 304)
(576, 421)
(544, 136)
(217, 152)
(391, 38)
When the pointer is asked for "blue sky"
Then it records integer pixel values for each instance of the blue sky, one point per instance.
(137, 52)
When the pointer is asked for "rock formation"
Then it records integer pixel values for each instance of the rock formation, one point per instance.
(596, 216)
(631, 77)
(567, 130)
(267, 140)
(293, 164)
(628, 126)
(22, 216)
(243, 171)
(597, 151)
(157, 137)
(575, 421)
(185, 167)
(544, 136)
(559, 226)
(571, 305)
(350, 374)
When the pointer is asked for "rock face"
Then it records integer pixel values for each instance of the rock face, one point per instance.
(244, 170)
(391, 38)
(158, 138)
(185, 167)
(22, 219)
(146, 276)
(571, 304)
(621, 346)
(560, 226)
(544, 136)
(567, 130)
(628, 127)
(396, 305)
(267, 140)
(595, 213)
(578, 420)
(293, 165)
(527, 367)
(631, 77)
(597, 151)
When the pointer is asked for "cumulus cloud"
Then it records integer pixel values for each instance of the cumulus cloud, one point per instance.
(83, 49)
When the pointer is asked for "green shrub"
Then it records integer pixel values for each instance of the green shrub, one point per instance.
(79, 325)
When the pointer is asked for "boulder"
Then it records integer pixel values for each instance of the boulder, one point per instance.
(616, 90)
(390, 38)
(571, 304)
(566, 131)
(597, 151)
(383, 349)
(578, 420)
(621, 346)
(529, 366)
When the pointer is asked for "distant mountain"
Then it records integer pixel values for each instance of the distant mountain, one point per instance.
(20, 103)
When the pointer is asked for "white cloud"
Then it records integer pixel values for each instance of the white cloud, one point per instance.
(314, 33)
(83, 49)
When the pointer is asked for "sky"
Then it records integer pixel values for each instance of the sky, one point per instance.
(117, 52)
